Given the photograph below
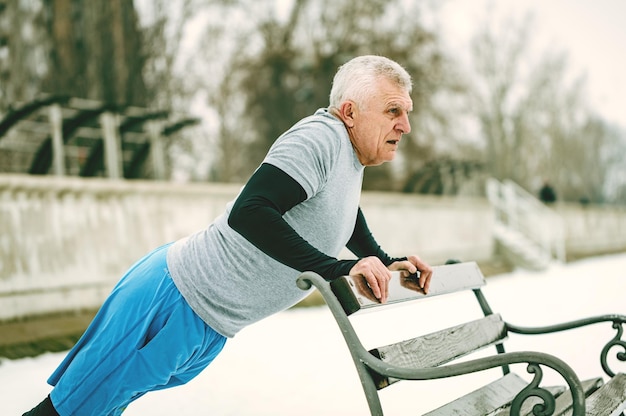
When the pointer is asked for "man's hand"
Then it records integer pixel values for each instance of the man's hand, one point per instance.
(376, 275)
(412, 265)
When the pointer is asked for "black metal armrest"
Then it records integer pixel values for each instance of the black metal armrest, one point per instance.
(617, 341)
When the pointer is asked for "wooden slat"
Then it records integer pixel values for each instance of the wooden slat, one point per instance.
(563, 398)
(485, 400)
(610, 399)
(564, 401)
(442, 346)
(355, 295)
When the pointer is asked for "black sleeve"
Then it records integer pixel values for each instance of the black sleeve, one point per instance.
(257, 216)
(363, 244)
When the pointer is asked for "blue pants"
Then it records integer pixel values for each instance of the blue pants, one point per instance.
(145, 337)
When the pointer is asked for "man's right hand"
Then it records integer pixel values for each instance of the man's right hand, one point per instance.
(376, 275)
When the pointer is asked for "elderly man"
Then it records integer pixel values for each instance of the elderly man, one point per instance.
(171, 314)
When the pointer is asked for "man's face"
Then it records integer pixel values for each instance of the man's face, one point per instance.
(380, 123)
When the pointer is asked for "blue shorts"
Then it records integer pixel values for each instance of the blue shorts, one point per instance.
(145, 337)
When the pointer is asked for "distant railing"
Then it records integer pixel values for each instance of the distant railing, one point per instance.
(518, 210)
(68, 136)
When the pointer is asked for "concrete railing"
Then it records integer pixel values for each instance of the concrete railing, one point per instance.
(526, 226)
(65, 241)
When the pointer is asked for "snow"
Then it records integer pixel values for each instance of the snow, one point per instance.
(296, 363)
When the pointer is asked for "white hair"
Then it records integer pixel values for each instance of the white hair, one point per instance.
(358, 78)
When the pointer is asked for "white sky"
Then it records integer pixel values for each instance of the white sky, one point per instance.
(592, 32)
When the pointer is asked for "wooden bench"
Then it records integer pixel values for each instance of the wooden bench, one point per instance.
(433, 356)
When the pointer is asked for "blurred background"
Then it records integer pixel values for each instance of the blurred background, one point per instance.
(509, 90)
(515, 158)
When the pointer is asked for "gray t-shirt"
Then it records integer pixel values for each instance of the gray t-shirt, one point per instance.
(230, 283)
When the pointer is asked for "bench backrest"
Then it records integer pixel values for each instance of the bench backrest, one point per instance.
(352, 295)
(355, 295)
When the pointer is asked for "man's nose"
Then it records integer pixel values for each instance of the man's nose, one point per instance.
(404, 124)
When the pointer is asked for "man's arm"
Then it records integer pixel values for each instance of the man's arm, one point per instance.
(363, 244)
(258, 216)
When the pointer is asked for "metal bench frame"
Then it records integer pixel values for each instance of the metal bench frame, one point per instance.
(342, 297)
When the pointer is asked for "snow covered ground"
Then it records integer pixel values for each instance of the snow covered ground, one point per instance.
(296, 363)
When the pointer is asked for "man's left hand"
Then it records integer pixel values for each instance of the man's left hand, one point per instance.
(412, 265)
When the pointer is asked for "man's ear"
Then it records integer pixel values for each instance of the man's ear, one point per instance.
(347, 113)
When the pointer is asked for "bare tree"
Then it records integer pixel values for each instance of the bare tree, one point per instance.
(88, 49)
(497, 65)
(22, 52)
(281, 70)
(535, 124)
(589, 162)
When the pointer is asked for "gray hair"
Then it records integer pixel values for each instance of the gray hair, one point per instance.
(357, 79)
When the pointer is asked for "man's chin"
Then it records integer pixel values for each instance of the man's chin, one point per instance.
(388, 158)
(391, 156)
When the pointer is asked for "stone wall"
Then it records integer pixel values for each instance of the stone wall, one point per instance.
(64, 242)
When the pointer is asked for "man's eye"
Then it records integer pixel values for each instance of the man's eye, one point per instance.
(394, 111)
